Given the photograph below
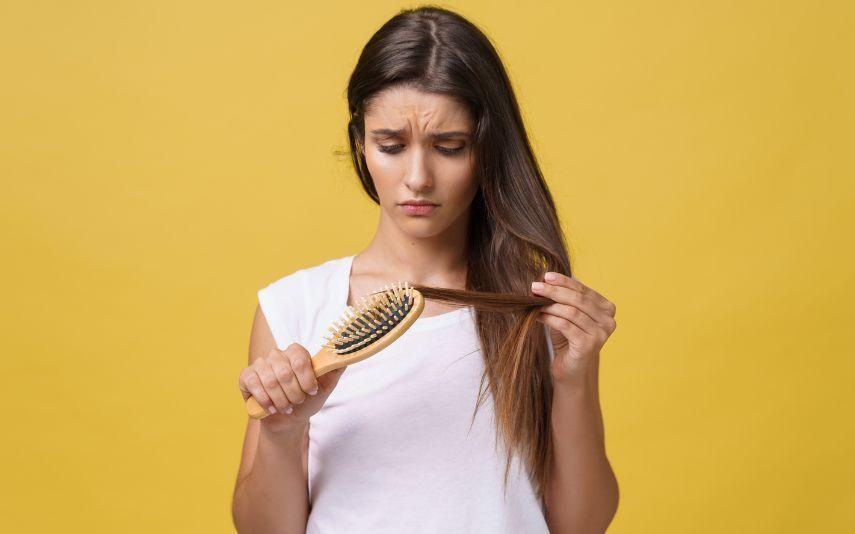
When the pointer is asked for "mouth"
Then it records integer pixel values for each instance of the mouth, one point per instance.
(420, 202)
(419, 207)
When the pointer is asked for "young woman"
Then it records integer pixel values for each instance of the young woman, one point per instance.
(397, 443)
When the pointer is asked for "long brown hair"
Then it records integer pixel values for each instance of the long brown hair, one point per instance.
(514, 233)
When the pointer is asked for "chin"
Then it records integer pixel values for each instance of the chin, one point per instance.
(421, 229)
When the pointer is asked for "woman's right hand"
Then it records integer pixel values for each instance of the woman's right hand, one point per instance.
(283, 380)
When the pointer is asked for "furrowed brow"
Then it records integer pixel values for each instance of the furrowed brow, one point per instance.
(449, 135)
(389, 132)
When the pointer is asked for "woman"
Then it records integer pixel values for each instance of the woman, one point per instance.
(397, 443)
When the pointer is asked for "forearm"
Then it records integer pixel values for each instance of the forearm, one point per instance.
(273, 497)
(582, 493)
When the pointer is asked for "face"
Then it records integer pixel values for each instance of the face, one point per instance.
(418, 148)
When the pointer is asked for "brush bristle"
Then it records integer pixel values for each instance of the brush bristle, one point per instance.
(374, 317)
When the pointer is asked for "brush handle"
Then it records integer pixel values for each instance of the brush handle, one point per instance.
(322, 362)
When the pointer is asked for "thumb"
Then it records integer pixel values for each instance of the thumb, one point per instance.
(328, 381)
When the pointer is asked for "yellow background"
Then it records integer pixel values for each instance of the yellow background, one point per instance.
(162, 160)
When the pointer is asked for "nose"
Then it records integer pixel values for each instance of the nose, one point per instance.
(419, 176)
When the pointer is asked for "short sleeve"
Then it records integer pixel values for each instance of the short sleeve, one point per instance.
(281, 302)
(549, 342)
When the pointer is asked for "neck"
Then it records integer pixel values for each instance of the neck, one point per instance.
(432, 260)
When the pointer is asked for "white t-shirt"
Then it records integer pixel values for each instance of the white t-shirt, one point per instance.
(391, 450)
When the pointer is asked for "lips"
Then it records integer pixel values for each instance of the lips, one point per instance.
(418, 203)
(412, 208)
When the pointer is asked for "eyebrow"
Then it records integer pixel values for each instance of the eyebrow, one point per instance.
(436, 135)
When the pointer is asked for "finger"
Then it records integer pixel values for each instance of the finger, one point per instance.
(281, 366)
(574, 284)
(577, 317)
(272, 386)
(244, 390)
(567, 328)
(251, 382)
(328, 381)
(301, 363)
(563, 295)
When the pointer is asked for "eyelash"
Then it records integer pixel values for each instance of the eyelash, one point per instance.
(394, 149)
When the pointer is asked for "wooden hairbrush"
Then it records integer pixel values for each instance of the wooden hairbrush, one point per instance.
(380, 318)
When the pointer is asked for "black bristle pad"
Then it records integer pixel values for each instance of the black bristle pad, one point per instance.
(362, 329)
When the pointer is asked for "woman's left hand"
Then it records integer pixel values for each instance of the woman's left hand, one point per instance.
(580, 321)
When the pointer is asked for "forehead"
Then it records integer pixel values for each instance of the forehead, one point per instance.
(402, 107)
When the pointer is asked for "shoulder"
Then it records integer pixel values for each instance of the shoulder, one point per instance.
(285, 299)
(299, 279)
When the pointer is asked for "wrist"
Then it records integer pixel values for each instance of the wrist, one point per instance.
(289, 433)
(573, 393)
(580, 380)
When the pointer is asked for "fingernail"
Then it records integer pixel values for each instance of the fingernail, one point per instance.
(550, 277)
(289, 410)
(314, 392)
(536, 285)
(272, 409)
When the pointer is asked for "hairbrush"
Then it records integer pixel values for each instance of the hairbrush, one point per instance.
(379, 319)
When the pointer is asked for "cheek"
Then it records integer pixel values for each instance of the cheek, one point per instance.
(384, 173)
(461, 184)
(379, 165)
(464, 195)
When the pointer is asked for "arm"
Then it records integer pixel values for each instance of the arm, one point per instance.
(582, 493)
(271, 491)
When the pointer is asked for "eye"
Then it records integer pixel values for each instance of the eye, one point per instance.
(390, 149)
(447, 150)
(394, 149)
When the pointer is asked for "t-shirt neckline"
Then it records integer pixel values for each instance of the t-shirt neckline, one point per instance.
(422, 323)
